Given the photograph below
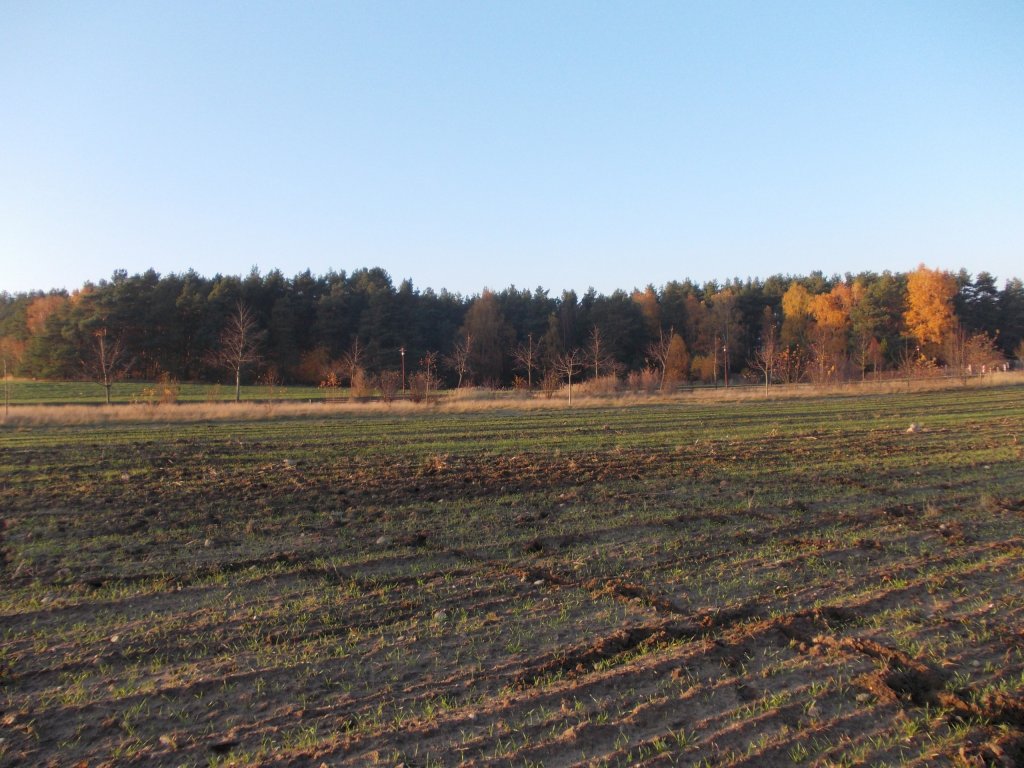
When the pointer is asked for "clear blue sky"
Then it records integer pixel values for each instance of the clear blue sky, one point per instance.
(473, 144)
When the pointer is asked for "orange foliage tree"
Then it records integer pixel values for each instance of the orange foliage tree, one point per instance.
(650, 309)
(832, 310)
(40, 310)
(929, 315)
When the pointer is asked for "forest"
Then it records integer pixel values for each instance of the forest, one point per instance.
(358, 327)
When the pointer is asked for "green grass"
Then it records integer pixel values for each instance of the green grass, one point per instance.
(87, 392)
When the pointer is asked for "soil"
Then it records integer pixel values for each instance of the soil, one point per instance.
(836, 595)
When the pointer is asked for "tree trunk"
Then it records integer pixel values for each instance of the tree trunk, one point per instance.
(106, 386)
(238, 384)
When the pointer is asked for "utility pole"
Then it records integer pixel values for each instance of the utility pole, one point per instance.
(7, 393)
(402, 351)
(725, 352)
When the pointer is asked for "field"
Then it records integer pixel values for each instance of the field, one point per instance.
(755, 583)
(22, 392)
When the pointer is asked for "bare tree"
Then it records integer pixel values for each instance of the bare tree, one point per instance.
(983, 354)
(956, 351)
(766, 358)
(867, 352)
(913, 363)
(525, 356)
(658, 353)
(352, 360)
(239, 344)
(107, 361)
(429, 365)
(568, 363)
(458, 360)
(726, 319)
(597, 353)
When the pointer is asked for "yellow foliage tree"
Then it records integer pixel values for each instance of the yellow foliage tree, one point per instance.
(796, 301)
(796, 313)
(929, 315)
(830, 336)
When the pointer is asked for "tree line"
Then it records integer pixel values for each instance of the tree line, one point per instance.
(359, 328)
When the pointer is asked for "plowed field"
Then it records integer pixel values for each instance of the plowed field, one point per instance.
(757, 584)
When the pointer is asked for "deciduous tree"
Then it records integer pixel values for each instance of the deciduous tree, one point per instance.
(239, 344)
(766, 358)
(650, 310)
(352, 360)
(597, 353)
(428, 375)
(796, 315)
(459, 359)
(677, 361)
(525, 357)
(929, 315)
(726, 321)
(567, 364)
(107, 360)
(830, 333)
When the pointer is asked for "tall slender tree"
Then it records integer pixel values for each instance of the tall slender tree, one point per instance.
(766, 358)
(569, 363)
(597, 353)
(239, 345)
(459, 359)
(107, 360)
(525, 356)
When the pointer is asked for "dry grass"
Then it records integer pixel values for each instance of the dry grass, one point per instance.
(465, 401)
(854, 388)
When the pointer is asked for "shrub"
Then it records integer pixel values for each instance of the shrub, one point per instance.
(418, 387)
(390, 381)
(550, 383)
(362, 383)
(169, 389)
(601, 385)
(648, 380)
(703, 367)
(313, 366)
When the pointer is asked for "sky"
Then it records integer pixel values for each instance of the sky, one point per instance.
(466, 145)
